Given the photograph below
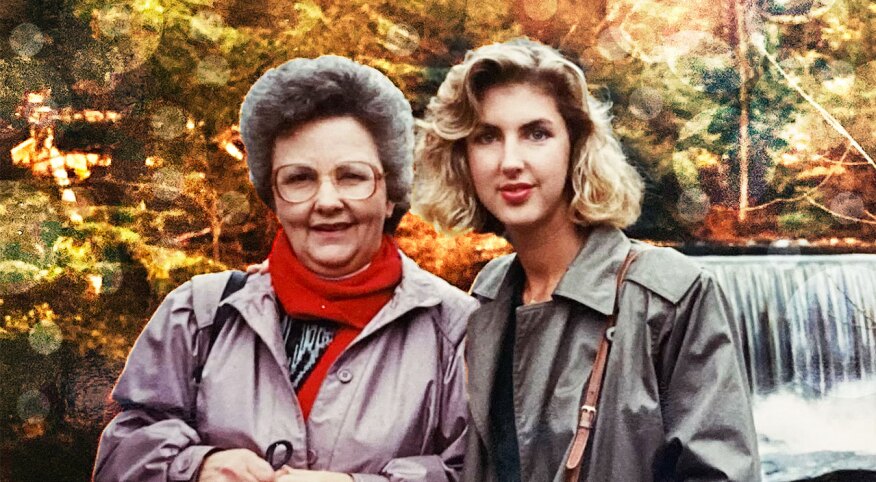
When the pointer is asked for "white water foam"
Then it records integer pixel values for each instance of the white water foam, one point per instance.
(843, 420)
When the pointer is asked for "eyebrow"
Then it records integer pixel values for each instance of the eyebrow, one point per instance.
(542, 122)
(529, 125)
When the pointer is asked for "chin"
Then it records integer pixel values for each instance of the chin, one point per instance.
(322, 262)
(519, 221)
(333, 262)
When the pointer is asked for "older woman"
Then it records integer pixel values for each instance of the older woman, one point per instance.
(513, 144)
(347, 351)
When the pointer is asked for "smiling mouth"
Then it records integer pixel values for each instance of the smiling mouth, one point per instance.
(330, 227)
(515, 193)
(515, 187)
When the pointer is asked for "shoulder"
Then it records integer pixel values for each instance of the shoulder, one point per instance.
(453, 305)
(171, 326)
(201, 295)
(176, 306)
(205, 293)
(665, 272)
(491, 276)
(191, 307)
(193, 302)
(217, 279)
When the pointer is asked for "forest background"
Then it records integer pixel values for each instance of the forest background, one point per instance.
(122, 173)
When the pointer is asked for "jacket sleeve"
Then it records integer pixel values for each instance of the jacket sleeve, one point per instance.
(705, 399)
(149, 440)
(449, 436)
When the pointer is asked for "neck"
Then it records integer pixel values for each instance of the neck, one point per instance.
(545, 257)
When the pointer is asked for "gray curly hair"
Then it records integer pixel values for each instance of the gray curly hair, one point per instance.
(303, 90)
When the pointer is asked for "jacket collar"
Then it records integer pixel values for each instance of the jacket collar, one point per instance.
(589, 280)
(585, 280)
(414, 291)
(257, 305)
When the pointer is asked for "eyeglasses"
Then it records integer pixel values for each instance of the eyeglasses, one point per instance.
(354, 181)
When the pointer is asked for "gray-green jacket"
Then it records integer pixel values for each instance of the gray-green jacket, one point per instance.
(675, 402)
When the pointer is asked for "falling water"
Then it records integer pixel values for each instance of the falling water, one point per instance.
(810, 321)
(810, 344)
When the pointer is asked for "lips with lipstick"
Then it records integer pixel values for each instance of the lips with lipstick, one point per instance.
(516, 192)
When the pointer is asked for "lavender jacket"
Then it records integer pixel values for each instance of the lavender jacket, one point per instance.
(392, 406)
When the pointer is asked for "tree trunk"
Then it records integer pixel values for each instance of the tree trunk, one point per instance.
(742, 38)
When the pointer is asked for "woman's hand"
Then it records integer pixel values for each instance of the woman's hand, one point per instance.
(236, 465)
(288, 474)
(261, 268)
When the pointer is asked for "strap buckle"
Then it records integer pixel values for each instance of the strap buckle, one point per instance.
(588, 415)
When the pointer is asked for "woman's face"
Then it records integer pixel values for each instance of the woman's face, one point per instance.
(518, 156)
(331, 234)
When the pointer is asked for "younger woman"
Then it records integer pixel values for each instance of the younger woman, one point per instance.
(513, 144)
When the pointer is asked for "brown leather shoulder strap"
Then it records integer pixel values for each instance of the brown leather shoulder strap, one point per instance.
(587, 416)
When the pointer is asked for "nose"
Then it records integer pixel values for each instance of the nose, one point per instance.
(327, 197)
(512, 160)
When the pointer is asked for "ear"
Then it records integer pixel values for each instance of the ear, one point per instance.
(390, 208)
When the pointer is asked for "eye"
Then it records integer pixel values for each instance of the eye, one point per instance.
(351, 176)
(353, 173)
(486, 136)
(296, 176)
(540, 134)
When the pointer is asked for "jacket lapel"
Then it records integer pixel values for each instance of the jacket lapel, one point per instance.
(257, 306)
(482, 353)
(485, 330)
(411, 293)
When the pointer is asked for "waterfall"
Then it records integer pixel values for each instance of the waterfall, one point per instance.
(809, 336)
(809, 321)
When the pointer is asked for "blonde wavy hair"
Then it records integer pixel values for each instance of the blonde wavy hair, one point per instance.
(604, 189)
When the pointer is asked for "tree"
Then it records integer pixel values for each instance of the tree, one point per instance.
(704, 112)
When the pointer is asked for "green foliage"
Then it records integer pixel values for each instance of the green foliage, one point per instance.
(17, 275)
(802, 223)
(174, 203)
